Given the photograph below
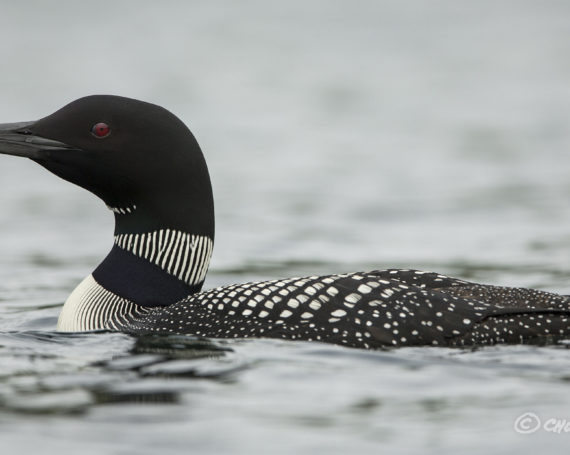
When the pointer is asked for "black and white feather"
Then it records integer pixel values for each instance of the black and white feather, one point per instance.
(149, 169)
(182, 255)
(92, 307)
(368, 310)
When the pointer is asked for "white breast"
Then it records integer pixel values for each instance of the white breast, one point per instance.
(92, 307)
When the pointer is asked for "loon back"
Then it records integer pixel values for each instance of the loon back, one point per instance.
(147, 167)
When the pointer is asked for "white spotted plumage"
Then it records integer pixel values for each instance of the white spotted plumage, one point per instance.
(373, 309)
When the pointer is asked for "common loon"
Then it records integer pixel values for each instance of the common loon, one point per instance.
(147, 167)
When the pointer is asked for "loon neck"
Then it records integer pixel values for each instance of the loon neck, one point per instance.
(159, 256)
(182, 208)
(171, 258)
(148, 266)
(161, 250)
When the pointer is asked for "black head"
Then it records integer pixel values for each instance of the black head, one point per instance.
(127, 152)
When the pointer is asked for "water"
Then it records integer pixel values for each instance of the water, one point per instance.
(340, 136)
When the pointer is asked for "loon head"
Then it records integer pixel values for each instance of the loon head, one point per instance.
(147, 167)
(127, 152)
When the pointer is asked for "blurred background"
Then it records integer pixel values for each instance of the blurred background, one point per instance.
(340, 136)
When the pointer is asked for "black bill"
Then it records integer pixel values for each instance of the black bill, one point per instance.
(18, 139)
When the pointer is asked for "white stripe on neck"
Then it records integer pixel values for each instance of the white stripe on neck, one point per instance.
(182, 255)
(122, 210)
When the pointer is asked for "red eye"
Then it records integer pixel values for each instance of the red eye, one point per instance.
(100, 130)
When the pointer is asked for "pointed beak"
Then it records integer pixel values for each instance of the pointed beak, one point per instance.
(18, 139)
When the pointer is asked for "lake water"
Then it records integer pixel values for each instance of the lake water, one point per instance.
(340, 136)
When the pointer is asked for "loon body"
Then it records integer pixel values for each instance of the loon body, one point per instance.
(147, 167)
